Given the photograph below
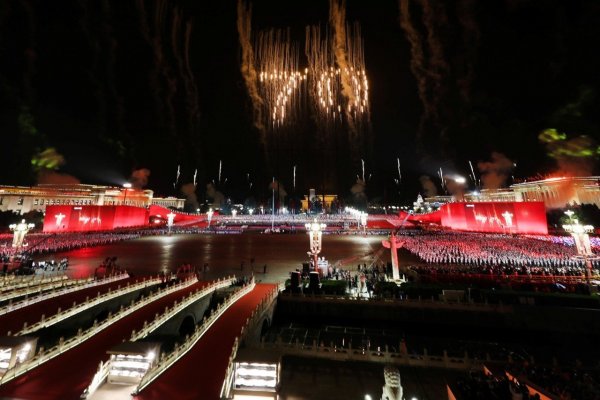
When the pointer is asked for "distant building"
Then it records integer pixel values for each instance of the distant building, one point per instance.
(326, 200)
(554, 192)
(23, 199)
(559, 192)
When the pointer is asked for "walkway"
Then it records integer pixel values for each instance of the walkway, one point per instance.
(200, 373)
(13, 321)
(66, 376)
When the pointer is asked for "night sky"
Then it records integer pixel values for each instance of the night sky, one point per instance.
(117, 86)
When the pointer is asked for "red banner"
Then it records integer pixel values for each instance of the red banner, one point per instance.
(93, 218)
(498, 217)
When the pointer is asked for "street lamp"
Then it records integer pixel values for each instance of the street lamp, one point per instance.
(209, 214)
(582, 243)
(19, 232)
(127, 186)
(363, 221)
(315, 232)
(170, 219)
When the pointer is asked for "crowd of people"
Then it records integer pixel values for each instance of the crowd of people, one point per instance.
(478, 385)
(49, 243)
(493, 254)
(568, 383)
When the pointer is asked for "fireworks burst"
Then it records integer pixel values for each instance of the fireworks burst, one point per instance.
(281, 82)
(340, 89)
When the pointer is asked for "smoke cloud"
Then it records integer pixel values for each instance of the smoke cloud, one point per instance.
(577, 156)
(191, 200)
(429, 188)
(218, 199)
(248, 69)
(417, 62)
(359, 195)
(337, 19)
(455, 187)
(139, 178)
(280, 189)
(46, 163)
(495, 173)
(46, 176)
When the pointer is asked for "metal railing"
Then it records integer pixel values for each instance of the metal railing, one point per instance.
(99, 377)
(34, 288)
(265, 304)
(10, 282)
(169, 359)
(64, 345)
(79, 285)
(77, 308)
(178, 306)
(102, 374)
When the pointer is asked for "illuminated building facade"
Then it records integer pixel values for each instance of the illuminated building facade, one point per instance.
(554, 192)
(326, 200)
(23, 199)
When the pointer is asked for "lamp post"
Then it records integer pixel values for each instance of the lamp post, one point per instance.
(170, 219)
(209, 214)
(126, 186)
(582, 243)
(315, 232)
(363, 221)
(19, 232)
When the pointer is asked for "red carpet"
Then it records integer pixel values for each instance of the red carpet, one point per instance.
(66, 376)
(13, 321)
(200, 373)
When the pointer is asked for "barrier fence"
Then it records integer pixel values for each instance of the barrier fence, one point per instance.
(64, 345)
(104, 367)
(77, 308)
(78, 285)
(168, 360)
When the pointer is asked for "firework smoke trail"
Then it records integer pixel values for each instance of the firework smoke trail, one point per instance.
(181, 55)
(337, 20)
(248, 69)
(117, 100)
(471, 38)
(29, 54)
(434, 19)
(399, 173)
(155, 71)
(154, 37)
(294, 178)
(363, 169)
(177, 176)
(417, 64)
(195, 175)
(473, 172)
(220, 169)
(94, 70)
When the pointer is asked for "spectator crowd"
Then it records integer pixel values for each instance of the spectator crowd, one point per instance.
(493, 254)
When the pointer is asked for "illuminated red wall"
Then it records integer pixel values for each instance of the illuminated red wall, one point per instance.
(500, 217)
(160, 211)
(93, 218)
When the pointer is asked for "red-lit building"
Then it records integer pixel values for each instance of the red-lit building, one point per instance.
(93, 218)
